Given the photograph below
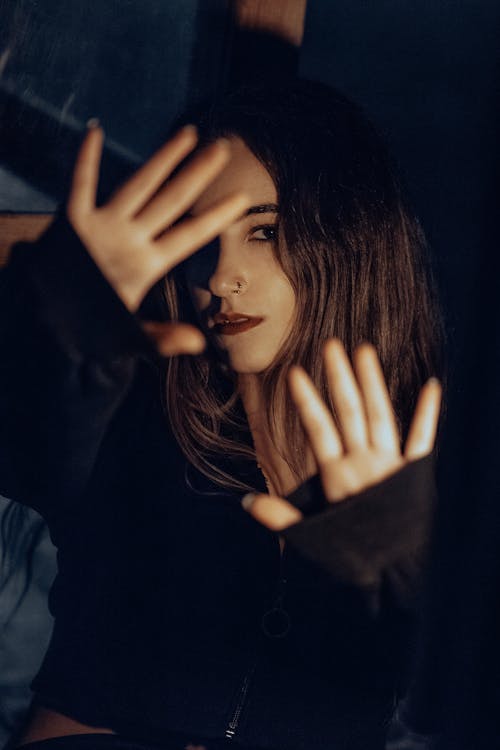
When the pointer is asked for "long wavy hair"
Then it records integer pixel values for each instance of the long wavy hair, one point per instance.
(355, 256)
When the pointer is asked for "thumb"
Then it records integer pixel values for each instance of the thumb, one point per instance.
(271, 511)
(174, 338)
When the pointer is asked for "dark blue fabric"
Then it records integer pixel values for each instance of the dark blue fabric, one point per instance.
(27, 573)
(163, 583)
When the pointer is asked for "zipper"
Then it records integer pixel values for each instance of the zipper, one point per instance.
(284, 619)
(276, 621)
(235, 718)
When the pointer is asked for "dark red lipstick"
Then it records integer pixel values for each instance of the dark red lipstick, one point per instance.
(229, 324)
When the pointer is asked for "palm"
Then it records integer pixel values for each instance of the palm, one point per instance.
(362, 445)
(140, 234)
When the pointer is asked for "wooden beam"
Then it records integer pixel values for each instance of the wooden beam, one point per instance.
(20, 227)
(283, 18)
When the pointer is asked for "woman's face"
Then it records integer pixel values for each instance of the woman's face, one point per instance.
(243, 297)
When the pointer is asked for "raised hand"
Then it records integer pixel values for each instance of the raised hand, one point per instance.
(363, 446)
(136, 237)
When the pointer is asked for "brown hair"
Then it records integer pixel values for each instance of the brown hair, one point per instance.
(354, 253)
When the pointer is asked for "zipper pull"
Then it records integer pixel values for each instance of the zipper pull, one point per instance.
(276, 622)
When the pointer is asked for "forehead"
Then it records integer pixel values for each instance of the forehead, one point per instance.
(243, 172)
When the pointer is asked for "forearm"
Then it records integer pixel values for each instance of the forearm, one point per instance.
(376, 540)
(69, 354)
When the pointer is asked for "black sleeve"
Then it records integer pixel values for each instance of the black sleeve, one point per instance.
(69, 351)
(376, 540)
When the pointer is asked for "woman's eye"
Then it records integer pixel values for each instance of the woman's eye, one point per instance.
(267, 233)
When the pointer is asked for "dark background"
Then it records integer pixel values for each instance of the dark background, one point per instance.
(134, 64)
(428, 72)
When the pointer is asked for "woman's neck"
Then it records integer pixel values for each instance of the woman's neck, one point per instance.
(250, 390)
(279, 477)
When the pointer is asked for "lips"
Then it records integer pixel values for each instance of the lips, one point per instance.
(229, 324)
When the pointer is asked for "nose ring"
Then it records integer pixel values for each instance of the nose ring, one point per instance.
(239, 287)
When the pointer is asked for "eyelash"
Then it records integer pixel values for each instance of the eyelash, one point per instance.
(272, 227)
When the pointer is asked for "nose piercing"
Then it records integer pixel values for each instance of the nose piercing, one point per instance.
(239, 287)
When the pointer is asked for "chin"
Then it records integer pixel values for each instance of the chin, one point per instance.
(245, 365)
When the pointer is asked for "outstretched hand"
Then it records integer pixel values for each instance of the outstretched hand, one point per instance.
(362, 447)
(136, 237)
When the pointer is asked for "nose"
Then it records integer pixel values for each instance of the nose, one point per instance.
(229, 276)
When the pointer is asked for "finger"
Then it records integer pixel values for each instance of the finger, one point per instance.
(174, 338)
(344, 478)
(135, 193)
(271, 511)
(381, 421)
(191, 234)
(179, 194)
(346, 396)
(316, 418)
(85, 178)
(423, 428)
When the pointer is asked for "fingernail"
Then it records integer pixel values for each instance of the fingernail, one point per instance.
(433, 381)
(248, 500)
(189, 129)
(94, 122)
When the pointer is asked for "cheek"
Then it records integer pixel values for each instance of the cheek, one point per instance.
(288, 300)
(280, 297)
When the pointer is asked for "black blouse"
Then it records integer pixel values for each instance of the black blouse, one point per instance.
(174, 610)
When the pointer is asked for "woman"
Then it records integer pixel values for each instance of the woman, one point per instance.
(179, 620)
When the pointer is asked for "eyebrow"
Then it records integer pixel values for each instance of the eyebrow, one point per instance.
(263, 208)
